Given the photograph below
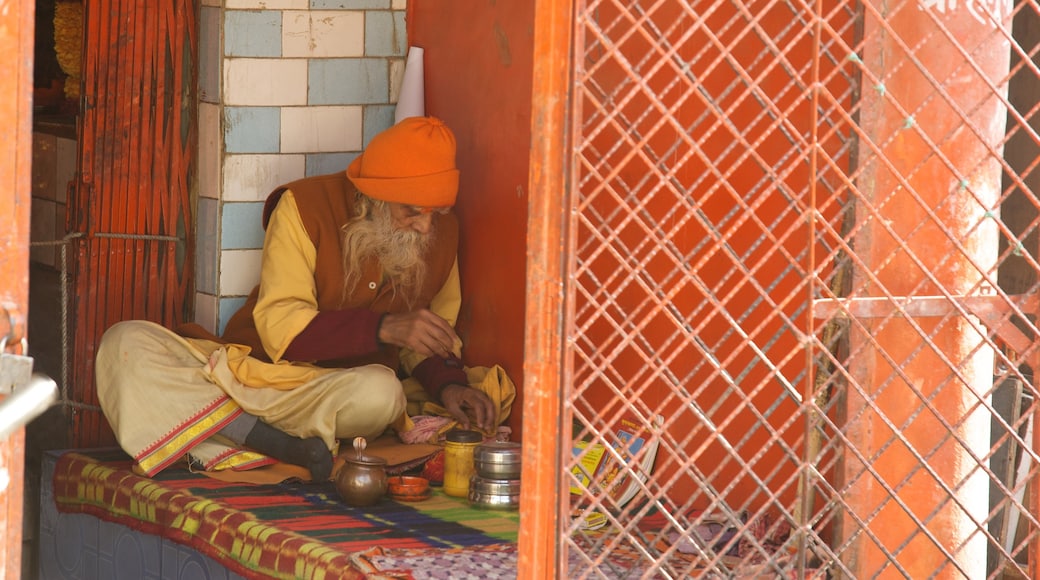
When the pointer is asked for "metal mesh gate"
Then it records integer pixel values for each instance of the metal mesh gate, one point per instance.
(803, 236)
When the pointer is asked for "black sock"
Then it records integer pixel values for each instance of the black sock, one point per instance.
(310, 453)
(238, 429)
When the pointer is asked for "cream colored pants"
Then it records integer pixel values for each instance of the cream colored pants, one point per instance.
(166, 396)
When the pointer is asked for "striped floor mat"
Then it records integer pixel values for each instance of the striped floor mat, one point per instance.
(274, 530)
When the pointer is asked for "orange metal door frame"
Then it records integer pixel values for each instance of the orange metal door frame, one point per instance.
(16, 41)
(541, 500)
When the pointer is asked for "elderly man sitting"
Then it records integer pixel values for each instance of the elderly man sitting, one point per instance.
(359, 288)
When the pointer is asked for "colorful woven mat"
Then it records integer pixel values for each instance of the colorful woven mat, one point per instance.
(285, 530)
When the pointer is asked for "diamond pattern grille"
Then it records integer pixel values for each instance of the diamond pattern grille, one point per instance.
(805, 236)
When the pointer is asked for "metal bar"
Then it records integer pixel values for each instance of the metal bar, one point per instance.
(992, 310)
(920, 306)
(26, 403)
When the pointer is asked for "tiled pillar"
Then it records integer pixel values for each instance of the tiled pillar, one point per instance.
(288, 88)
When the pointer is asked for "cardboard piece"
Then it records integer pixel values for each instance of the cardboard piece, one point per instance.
(399, 457)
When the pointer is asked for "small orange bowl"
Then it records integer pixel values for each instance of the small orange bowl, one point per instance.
(408, 487)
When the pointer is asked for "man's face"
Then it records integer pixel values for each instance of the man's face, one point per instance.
(413, 217)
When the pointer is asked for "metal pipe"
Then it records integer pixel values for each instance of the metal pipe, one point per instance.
(26, 403)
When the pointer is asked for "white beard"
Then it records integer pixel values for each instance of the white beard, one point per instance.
(401, 253)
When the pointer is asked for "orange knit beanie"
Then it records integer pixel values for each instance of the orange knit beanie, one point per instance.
(412, 162)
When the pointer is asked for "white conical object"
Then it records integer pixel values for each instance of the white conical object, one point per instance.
(412, 100)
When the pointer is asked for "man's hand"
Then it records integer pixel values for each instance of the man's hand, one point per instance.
(421, 331)
(458, 398)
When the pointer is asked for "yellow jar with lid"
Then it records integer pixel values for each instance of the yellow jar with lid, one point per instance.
(458, 460)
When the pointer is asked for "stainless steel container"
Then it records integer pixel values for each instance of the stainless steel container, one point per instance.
(494, 493)
(497, 460)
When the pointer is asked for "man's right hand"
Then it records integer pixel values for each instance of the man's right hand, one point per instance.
(458, 398)
(421, 331)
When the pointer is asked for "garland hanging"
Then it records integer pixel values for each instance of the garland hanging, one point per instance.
(68, 44)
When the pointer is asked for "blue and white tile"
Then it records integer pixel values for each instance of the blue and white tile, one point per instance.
(241, 227)
(206, 311)
(321, 129)
(209, 150)
(351, 4)
(348, 81)
(377, 119)
(253, 177)
(325, 163)
(239, 271)
(323, 34)
(252, 33)
(209, 54)
(252, 129)
(266, 4)
(207, 248)
(265, 82)
(397, 66)
(386, 33)
(228, 307)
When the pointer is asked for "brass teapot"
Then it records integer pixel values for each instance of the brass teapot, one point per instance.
(362, 479)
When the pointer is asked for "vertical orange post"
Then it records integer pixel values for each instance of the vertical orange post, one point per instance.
(930, 151)
(541, 497)
(16, 68)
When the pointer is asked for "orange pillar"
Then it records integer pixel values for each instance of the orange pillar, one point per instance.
(931, 128)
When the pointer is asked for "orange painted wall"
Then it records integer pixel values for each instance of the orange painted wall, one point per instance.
(478, 80)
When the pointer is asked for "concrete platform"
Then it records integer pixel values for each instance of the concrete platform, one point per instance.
(82, 547)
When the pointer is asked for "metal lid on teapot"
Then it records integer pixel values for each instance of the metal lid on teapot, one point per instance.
(360, 443)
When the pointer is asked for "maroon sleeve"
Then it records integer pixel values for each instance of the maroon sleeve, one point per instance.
(435, 373)
(334, 334)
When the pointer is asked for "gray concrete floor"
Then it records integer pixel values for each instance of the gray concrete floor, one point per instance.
(50, 430)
